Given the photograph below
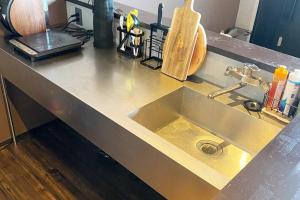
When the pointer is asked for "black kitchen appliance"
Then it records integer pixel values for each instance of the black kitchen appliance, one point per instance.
(43, 45)
(103, 23)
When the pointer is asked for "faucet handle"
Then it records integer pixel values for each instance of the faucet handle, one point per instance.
(252, 67)
(248, 74)
(229, 70)
(246, 69)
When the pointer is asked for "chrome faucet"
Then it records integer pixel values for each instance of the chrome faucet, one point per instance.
(247, 74)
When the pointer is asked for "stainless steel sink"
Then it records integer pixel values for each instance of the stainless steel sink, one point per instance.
(218, 135)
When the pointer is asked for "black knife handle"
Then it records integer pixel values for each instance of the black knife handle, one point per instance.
(160, 13)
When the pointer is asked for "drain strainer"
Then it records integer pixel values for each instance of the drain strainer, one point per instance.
(209, 148)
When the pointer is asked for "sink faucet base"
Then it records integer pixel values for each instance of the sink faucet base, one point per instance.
(247, 75)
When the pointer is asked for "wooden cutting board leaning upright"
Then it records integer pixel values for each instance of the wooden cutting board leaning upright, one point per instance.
(181, 41)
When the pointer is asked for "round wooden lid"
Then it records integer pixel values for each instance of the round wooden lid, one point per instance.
(26, 17)
(200, 50)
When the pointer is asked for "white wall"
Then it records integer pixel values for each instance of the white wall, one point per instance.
(217, 15)
(247, 14)
(151, 5)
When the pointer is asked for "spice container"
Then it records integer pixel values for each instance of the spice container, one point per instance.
(290, 93)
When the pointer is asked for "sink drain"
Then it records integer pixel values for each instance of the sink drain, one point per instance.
(209, 148)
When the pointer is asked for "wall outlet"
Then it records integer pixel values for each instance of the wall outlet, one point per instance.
(87, 15)
(79, 12)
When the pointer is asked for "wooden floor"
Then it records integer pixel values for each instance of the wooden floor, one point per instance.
(54, 162)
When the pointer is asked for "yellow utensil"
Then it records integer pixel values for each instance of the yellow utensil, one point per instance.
(130, 21)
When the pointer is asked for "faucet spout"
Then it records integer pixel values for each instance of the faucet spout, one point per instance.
(226, 90)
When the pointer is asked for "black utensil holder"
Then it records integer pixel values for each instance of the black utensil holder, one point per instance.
(129, 48)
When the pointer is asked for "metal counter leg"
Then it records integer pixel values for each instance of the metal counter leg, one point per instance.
(8, 111)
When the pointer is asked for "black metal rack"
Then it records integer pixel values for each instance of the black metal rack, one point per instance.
(272, 108)
(153, 51)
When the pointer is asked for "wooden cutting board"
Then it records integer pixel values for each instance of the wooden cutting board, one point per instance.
(199, 53)
(27, 17)
(181, 41)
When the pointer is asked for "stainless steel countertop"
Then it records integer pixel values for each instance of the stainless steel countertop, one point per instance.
(94, 91)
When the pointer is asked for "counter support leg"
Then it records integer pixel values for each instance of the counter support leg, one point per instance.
(8, 110)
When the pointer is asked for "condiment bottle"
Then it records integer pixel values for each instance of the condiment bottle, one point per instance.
(290, 93)
(279, 80)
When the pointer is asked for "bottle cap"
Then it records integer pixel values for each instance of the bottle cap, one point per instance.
(297, 72)
(281, 72)
(295, 76)
(282, 66)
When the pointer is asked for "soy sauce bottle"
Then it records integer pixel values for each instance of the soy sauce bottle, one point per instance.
(103, 23)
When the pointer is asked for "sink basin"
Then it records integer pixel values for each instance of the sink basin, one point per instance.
(223, 138)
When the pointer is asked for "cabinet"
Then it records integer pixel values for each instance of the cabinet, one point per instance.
(277, 26)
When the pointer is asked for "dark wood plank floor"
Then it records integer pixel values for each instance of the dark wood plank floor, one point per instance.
(54, 162)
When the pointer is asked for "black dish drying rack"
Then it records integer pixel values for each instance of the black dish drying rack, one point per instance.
(271, 107)
(153, 51)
